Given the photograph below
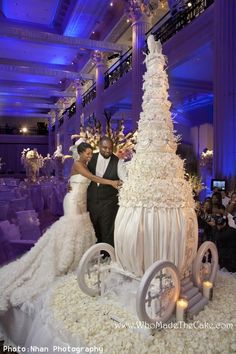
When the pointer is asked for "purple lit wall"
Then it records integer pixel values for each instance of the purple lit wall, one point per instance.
(11, 147)
(224, 91)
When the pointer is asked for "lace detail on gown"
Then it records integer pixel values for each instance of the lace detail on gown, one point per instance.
(57, 252)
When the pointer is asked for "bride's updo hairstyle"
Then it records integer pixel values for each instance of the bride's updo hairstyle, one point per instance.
(83, 146)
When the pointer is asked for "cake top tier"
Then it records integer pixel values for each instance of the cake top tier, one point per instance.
(156, 172)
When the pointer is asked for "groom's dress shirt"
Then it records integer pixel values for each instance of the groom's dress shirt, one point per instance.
(102, 164)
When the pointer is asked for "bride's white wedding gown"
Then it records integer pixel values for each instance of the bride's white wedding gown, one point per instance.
(57, 252)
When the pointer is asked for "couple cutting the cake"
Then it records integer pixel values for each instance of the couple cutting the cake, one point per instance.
(90, 208)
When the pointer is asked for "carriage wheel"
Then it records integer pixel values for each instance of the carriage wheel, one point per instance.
(205, 264)
(90, 268)
(158, 292)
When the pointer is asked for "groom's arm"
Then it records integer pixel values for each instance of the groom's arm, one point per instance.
(69, 188)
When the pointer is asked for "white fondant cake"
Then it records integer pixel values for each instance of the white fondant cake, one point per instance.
(156, 218)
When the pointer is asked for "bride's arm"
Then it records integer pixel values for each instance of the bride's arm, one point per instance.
(79, 168)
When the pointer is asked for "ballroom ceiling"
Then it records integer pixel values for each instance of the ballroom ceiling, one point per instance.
(46, 44)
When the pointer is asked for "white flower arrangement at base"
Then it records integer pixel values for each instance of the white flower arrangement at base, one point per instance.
(76, 315)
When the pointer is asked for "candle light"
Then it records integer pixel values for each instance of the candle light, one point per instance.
(207, 288)
(181, 307)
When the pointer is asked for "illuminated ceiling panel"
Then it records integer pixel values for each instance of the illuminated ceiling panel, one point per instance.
(30, 10)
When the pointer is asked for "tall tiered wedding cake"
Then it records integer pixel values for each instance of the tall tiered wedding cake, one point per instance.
(156, 219)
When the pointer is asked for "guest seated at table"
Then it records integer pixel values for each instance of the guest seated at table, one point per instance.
(225, 239)
(205, 220)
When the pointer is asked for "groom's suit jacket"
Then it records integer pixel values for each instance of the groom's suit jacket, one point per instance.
(102, 193)
(103, 201)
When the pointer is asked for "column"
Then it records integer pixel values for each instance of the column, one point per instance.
(61, 131)
(57, 134)
(79, 120)
(140, 17)
(100, 62)
(224, 86)
(67, 142)
(50, 145)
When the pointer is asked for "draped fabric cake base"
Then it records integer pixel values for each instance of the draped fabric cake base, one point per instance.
(170, 234)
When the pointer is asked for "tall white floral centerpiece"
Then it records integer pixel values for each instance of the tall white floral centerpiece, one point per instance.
(32, 161)
(156, 219)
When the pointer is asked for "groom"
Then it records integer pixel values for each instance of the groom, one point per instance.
(103, 199)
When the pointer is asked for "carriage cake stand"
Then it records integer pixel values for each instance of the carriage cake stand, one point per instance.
(157, 291)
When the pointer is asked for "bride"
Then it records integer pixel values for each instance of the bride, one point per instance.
(59, 250)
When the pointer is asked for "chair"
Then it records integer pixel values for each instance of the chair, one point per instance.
(16, 205)
(47, 190)
(37, 198)
(11, 246)
(28, 224)
(56, 200)
(4, 206)
(9, 231)
(24, 214)
(6, 193)
(13, 182)
(2, 181)
(6, 253)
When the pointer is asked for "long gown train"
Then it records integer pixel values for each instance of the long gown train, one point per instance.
(56, 253)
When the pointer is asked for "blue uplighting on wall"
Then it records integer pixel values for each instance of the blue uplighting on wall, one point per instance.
(54, 10)
(195, 102)
(58, 60)
(5, 8)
